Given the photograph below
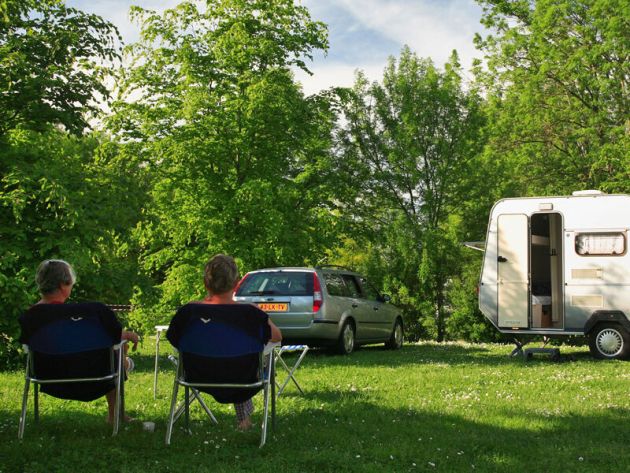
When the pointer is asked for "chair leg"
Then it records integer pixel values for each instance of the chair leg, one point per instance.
(36, 401)
(272, 381)
(23, 414)
(119, 407)
(197, 395)
(266, 396)
(171, 416)
(187, 409)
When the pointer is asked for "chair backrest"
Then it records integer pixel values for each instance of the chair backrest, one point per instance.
(218, 347)
(214, 338)
(70, 342)
(72, 335)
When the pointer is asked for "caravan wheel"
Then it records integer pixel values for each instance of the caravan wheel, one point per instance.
(609, 341)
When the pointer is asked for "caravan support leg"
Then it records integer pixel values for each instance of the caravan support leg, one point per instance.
(518, 350)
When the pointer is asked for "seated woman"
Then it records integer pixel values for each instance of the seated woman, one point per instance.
(55, 279)
(220, 278)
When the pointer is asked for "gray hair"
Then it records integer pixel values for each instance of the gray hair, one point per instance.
(52, 273)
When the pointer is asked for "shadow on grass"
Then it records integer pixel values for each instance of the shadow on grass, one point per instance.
(347, 433)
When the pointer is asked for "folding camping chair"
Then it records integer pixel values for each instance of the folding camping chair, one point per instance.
(75, 359)
(222, 359)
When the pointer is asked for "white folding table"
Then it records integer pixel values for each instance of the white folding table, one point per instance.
(278, 352)
(158, 329)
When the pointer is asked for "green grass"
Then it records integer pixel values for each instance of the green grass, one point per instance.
(428, 407)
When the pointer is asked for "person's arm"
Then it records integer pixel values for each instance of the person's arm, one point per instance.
(132, 337)
(276, 334)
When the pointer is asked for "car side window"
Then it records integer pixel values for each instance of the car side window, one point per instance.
(369, 292)
(353, 285)
(335, 285)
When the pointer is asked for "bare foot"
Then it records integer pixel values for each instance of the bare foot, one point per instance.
(125, 418)
(244, 425)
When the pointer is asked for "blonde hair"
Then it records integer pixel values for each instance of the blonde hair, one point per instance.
(52, 273)
(220, 274)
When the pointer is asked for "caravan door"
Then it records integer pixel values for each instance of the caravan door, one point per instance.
(512, 270)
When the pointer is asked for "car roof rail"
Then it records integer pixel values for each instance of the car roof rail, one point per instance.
(334, 266)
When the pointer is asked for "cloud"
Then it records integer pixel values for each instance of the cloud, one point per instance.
(326, 75)
(430, 28)
(362, 33)
(117, 12)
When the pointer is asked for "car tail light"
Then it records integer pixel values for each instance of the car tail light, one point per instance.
(317, 293)
(238, 284)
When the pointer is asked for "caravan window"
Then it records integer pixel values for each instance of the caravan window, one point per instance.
(600, 244)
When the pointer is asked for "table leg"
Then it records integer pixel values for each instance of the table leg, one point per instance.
(157, 356)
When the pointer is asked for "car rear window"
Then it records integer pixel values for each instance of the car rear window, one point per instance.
(280, 283)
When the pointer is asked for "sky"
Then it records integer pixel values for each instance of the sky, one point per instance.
(362, 33)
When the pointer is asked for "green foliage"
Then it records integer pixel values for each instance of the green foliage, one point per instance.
(235, 153)
(407, 150)
(50, 64)
(558, 84)
(215, 148)
(465, 321)
(60, 197)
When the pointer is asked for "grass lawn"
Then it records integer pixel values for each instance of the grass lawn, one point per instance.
(427, 407)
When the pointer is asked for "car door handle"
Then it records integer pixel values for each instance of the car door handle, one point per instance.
(502, 259)
(375, 308)
(354, 306)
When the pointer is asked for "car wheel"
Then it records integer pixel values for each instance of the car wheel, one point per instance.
(395, 341)
(345, 344)
(609, 341)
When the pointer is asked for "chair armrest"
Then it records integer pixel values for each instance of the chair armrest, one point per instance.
(118, 346)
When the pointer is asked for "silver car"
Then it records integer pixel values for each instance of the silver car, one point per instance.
(326, 306)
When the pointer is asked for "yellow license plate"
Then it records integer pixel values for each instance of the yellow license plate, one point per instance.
(273, 306)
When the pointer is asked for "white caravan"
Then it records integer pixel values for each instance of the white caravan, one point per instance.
(560, 266)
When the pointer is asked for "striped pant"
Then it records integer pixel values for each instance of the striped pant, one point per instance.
(243, 410)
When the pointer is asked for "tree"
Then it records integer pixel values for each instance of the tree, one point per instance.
(236, 153)
(558, 77)
(409, 145)
(64, 197)
(51, 64)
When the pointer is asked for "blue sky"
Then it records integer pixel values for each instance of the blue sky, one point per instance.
(362, 33)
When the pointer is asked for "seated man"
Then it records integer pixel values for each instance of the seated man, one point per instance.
(55, 279)
(220, 278)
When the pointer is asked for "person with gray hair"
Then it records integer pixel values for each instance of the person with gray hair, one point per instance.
(55, 279)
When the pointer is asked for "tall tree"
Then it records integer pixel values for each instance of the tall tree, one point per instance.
(558, 76)
(51, 64)
(60, 190)
(407, 147)
(236, 152)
